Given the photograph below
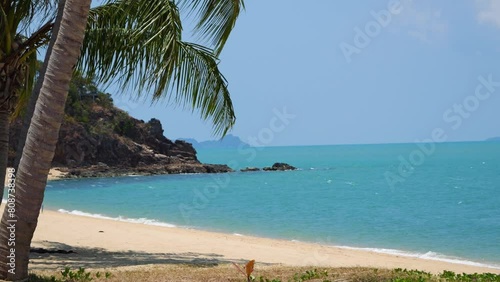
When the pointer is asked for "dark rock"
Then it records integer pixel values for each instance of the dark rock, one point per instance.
(155, 128)
(280, 167)
(217, 168)
(106, 147)
(250, 168)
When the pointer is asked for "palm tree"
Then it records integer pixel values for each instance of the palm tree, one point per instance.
(30, 107)
(138, 43)
(17, 60)
(148, 52)
(37, 156)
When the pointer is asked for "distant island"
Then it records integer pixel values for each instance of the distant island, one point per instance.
(229, 141)
(493, 139)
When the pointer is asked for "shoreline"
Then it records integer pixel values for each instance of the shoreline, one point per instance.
(432, 256)
(55, 173)
(77, 231)
(65, 173)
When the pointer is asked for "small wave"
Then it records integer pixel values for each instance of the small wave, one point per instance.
(429, 256)
(238, 234)
(119, 218)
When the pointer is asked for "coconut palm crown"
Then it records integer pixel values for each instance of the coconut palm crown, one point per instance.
(135, 43)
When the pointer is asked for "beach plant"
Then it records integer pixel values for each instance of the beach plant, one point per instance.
(68, 275)
(262, 279)
(246, 270)
(138, 41)
(285, 274)
(310, 275)
(412, 275)
(475, 277)
(81, 275)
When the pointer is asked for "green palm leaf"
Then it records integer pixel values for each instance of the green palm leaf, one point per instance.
(200, 83)
(216, 19)
(30, 70)
(138, 43)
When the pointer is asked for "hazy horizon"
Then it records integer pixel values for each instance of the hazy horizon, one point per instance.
(368, 72)
(341, 144)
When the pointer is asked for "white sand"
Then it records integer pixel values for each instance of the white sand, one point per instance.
(162, 242)
(54, 174)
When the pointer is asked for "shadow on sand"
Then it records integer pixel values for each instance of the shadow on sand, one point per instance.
(95, 258)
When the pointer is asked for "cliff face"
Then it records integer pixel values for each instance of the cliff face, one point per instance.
(98, 139)
(130, 143)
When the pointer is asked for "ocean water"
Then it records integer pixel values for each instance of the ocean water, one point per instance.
(437, 201)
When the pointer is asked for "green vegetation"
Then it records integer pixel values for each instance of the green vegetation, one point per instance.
(83, 93)
(266, 274)
(396, 275)
(85, 99)
(67, 275)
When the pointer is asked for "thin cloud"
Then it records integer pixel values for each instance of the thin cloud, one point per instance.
(423, 22)
(489, 12)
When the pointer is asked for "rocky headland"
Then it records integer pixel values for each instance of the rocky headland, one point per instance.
(99, 140)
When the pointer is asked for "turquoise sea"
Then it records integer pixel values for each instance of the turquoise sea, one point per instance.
(437, 201)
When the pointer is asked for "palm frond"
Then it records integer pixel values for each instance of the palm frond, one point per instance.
(137, 43)
(30, 68)
(216, 19)
(17, 17)
(200, 84)
(25, 13)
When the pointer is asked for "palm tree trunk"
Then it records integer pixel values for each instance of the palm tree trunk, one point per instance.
(4, 145)
(36, 90)
(41, 142)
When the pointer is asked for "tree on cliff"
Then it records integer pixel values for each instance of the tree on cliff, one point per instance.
(140, 41)
(133, 42)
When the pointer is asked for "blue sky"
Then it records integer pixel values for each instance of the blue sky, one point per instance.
(350, 72)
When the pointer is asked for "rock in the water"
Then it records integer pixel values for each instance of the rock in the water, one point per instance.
(280, 167)
(249, 168)
(217, 168)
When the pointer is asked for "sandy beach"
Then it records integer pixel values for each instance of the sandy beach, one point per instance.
(55, 173)
(102, 243)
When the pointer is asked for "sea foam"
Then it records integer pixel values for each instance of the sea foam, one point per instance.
(119, 218)
(428, 255)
